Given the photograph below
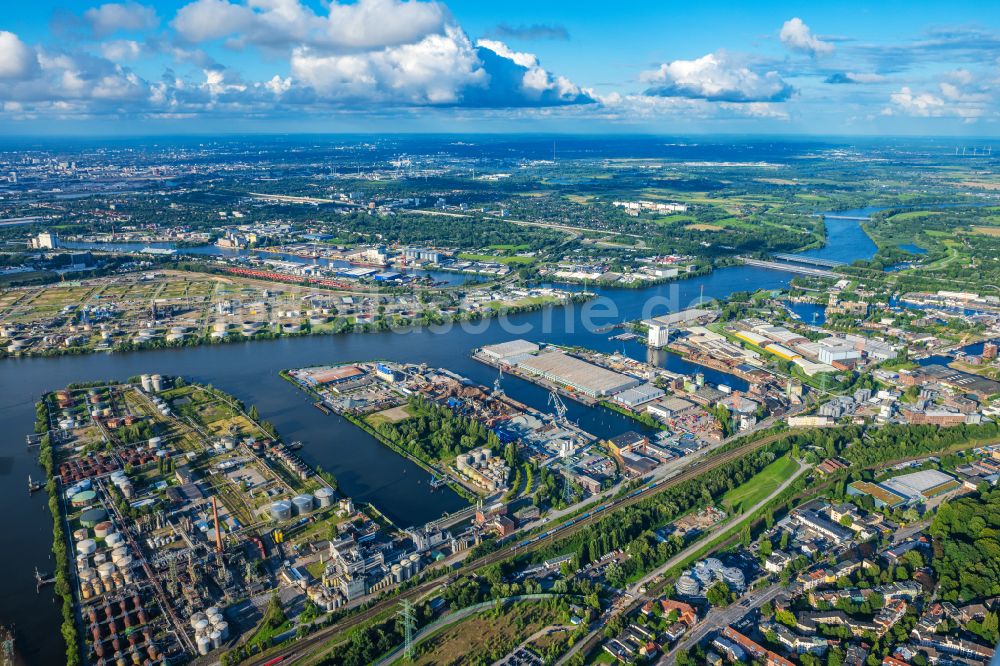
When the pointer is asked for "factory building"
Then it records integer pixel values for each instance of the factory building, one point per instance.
(46, 240)
(505, 351)
(422, 254)
(579, 375)
(658, 335)
(640, 395)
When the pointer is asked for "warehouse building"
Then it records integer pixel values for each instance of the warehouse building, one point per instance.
(579, 375)
(920, 486)
(503, 352)
(640, 395)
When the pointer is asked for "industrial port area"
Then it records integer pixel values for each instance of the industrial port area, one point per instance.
(174, 504)
(495, 399)
(149, 308)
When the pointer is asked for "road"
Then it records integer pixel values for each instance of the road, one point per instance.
(719, 618)
(633, 592)
(317, 639)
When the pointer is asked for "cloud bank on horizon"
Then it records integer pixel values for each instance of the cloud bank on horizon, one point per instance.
(269, 59)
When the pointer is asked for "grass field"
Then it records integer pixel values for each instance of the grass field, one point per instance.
(759, 486)
(913, 215)
(487, 636)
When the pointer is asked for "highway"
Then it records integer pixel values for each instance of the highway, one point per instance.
(317, 639)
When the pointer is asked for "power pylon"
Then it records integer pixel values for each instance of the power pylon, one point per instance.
(406, 613)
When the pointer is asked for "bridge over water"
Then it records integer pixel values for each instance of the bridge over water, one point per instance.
(790, 267)
(809, 261)
(845, 217)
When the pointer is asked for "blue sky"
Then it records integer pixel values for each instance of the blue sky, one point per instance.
(194, 66)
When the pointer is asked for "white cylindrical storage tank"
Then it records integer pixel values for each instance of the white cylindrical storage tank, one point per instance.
(118, 553)
(195, 619)
(216, 638)
(324, 497)
(415, 562)
(103, 529)
(114, 540)
(86, 547)
(105, 570)
(201, 625)
(204, 644)
(397, 573)
(147, 383)
(100, 558)
(281, 510)
(303, 503)
(81, 534)
(156, 381)
(223, 629)
(124, 562)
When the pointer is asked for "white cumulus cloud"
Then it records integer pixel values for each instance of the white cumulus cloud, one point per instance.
(365, 24)
(717, 77)
(950, 100)
(112, 17)
(796, 35)
(17, 60)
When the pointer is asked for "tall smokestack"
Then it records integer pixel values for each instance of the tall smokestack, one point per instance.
(218, 532)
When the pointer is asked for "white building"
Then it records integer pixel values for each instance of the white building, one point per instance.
(659, 335)
(46, 240)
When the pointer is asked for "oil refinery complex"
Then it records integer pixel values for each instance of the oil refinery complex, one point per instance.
(182, 515)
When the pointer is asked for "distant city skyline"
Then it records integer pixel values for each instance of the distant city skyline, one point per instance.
(385, 66)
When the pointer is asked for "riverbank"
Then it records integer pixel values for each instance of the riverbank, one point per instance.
(71, 334)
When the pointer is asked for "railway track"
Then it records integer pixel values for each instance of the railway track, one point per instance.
(302, 647)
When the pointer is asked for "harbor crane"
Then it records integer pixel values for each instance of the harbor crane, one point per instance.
(559, 406)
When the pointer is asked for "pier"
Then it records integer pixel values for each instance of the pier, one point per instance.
(42, 580)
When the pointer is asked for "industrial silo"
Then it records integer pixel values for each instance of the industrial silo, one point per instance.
(324, 497)
(303, 504)
(281, 510)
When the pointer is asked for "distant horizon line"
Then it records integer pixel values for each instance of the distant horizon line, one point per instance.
(540, 134)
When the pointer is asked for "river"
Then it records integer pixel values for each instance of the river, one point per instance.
(366, 470)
